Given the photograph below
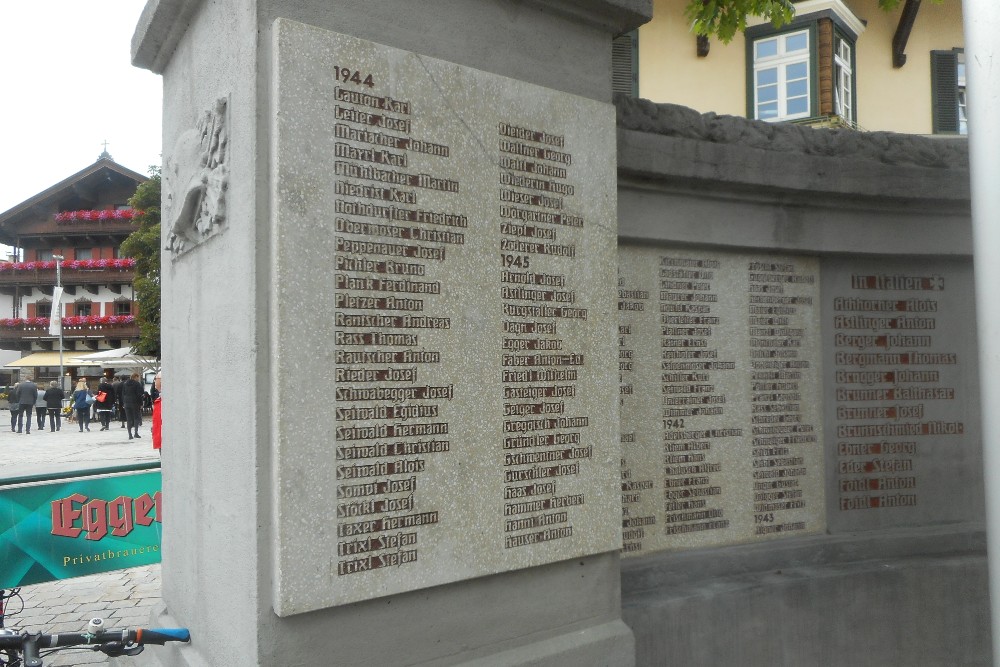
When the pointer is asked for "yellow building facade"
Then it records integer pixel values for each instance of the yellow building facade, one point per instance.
(845, 41)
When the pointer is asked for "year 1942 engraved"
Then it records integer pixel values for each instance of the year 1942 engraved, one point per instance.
(348, 75)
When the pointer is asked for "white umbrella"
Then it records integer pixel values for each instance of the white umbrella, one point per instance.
(120, 358)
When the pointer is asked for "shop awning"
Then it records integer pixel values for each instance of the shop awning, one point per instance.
(47, 359)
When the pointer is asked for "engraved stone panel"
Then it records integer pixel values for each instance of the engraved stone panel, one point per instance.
(719, 372)
(902, 399)
(444, 318)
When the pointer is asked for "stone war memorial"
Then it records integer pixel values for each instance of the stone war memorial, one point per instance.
(518, 374)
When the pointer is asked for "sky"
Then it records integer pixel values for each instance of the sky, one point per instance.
(67, 85)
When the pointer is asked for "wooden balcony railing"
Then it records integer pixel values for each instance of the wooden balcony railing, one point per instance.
(114, 326)
(74, 272)
(87, 277)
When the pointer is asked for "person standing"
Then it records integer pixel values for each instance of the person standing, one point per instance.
(132, 400)
(81, 405)
(54, 396)
(119, 408)
(105, 406)
(40, 409)
(27, 394)
(157, 415)
(13, 406)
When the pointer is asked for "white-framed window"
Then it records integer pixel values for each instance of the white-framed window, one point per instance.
(781, 71)
(963, 117)
(843, 80)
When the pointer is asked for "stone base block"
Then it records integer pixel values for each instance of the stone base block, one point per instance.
(897, 599)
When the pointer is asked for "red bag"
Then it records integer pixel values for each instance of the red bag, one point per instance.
(101, 396)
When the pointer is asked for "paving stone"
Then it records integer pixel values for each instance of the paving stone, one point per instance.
(65, 608)
(95, 608)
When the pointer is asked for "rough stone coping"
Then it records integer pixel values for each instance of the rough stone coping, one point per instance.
(163, 23)
(680, 571)
(888, 148)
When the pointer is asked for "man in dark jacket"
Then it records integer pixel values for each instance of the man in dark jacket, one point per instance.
(53, 403)
(117, 384)
(27, 394)
(132, 400)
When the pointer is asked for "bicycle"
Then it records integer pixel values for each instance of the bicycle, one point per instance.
(25, 649)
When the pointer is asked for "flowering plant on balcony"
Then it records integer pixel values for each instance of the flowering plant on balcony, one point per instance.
(50, 265)
(71, 216)
(73, 321)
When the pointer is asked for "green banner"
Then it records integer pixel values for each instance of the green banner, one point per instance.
(79, 527)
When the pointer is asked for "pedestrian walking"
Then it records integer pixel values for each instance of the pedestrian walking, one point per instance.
(40, 409)
(54, 396)
(81, 405)
(27, 394)
(132, 400)
(105, 402)
(157, 415)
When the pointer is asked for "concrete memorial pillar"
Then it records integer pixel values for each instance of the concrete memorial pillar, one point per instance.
(981, 21)
(389, 311)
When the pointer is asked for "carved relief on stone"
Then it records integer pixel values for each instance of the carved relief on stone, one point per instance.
(195, 181)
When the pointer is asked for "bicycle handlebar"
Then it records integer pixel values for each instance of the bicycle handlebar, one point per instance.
(111, 642)
(161, 635)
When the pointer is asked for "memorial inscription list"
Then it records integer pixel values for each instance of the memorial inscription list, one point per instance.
(899, 346)
(459, 228)
(391, 256)
(719, 381)
(544, 442)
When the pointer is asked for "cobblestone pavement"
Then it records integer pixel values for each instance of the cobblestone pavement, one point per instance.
(123, 598)
(44, 451)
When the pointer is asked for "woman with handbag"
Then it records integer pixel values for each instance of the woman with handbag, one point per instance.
(81, 403)
(105, 401)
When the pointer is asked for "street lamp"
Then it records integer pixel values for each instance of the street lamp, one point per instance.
(58, 312)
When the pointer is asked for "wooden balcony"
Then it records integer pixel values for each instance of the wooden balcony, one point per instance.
(37, 277)
(10, 336)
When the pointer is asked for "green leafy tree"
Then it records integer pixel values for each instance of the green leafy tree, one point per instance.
(144, 245)
(724, 18)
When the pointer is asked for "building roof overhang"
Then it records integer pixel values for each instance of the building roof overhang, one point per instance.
(83, 180)
(837, 9)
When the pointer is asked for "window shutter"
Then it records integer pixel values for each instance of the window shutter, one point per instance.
(625, 64)
(944, 92)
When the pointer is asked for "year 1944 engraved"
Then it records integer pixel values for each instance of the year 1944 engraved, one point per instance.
(348, 75)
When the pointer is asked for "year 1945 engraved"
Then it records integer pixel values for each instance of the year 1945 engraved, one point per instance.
(518, 261)
(348, 75)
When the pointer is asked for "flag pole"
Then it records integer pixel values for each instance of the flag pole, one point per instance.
(57, 305)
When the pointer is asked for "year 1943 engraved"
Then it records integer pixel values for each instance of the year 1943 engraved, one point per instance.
(348, 75)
